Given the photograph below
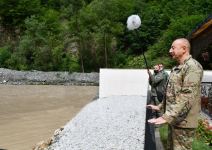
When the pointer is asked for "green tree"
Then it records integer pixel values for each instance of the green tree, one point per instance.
(39, 33)
(14, 12)
(5, 54)
(159, 51)
(102, 20)
(41, 46)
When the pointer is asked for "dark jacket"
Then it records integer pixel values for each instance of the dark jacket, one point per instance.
(158, 83)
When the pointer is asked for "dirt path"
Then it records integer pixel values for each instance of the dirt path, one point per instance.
(30, 113)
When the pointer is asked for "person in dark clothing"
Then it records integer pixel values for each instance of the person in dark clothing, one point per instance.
(158, 81)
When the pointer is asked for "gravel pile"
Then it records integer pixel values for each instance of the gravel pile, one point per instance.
(8, 76)
(112, 123)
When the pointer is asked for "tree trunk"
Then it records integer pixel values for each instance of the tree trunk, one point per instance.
(105, 47)
(80, 46)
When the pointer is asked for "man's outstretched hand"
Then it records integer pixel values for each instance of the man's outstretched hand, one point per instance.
(157, 121)
(153, 107)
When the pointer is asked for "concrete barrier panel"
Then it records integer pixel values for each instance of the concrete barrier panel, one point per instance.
(114, 82)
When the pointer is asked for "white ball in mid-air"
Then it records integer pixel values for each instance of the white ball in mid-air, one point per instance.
(133, 22)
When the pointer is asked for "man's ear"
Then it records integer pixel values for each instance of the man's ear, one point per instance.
(184, 49)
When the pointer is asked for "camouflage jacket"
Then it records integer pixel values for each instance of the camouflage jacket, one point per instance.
(158, 82)
(183, 93)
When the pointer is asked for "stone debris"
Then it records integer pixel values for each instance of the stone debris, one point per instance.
(35, 77)
(43, 145)
(112, 123)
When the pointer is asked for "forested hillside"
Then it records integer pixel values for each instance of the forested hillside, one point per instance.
(85, 35)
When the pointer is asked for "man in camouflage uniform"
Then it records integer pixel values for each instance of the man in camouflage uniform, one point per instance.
(210, 100)
(157, 80)
(182, 104)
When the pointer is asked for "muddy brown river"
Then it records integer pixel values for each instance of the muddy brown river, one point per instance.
(31, 113)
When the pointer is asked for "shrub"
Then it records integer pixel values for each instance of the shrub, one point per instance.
(203, 139)
(5, 54)
(204, 132)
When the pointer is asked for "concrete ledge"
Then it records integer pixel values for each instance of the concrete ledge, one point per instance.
(123, 82)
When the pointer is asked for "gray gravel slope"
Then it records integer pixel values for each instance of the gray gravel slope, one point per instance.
(112, 123)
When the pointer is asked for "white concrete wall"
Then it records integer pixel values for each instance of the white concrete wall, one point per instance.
(115, 82)
(207, 76)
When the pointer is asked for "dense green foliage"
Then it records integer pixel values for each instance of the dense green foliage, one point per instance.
(203, 139)
(86, 35)
(204, 132)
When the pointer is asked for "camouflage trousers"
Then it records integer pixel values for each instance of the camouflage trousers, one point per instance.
(180, 138)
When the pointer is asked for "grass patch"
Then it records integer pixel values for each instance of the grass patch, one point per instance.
(164, 135)
(200, 145)
(196, 145)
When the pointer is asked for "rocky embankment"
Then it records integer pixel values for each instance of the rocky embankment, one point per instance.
(35, 77)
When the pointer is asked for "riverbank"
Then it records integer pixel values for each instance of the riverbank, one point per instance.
(34, 77)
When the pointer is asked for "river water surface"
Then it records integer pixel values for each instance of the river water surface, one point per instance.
(31, 113)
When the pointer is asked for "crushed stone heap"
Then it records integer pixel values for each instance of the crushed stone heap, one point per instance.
(111, 123)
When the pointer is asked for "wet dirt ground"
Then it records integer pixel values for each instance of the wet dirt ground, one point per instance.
(31, 113)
